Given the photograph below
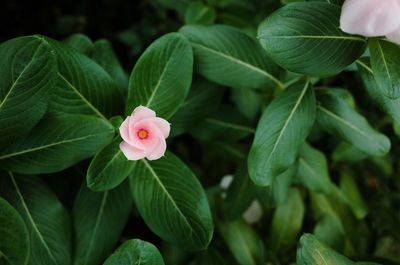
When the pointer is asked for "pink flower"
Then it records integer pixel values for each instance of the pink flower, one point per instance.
(144, 135)
(372, 18)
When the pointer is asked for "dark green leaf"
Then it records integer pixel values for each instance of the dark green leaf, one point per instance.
(337, 117)
(14, 244)
(57, 143)
(198, 13)
(28, 70)
(354, 199)
(229, 57)
(99, 218)
(286, 223)
(81, 43)
(305, 38)
(108, 168)
(313, 169)
(172, 202)
(329, 230)
(385, 62)
(47, 221)
(135, 252)
(243, 242)
(281, 131)
(161, 78)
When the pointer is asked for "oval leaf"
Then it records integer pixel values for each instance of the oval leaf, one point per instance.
(161, 78)
(281, 131)
(108, 168)
(135, 251)
(172, 202)
(57, 143)
(47, 221)
(385, 62)
(14, 245)
(305, 38)
(99, 218)
(340, 119)
(229, 57)
(28, 70)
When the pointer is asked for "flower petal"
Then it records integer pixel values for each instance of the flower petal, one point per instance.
(130, 152)
(370, 17)
(158, 151)
(142, 112)
(162, 125)
(394, 36)
(124, 129)
(150, 126)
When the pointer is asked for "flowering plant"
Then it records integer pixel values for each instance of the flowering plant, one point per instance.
(238, 132)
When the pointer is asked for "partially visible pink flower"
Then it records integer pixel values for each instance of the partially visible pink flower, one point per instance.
(144, 135)
(372, 18)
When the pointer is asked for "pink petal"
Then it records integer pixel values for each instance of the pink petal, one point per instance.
(124, 129)
(370, 17)
(130, 152)
(150, 126)
(394, 36)
(158, 151)
(142, 112)
(162, 125)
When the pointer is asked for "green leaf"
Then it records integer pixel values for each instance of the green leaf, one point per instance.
(313, 169)
(80, 43)
(135, 252)
(286, 223)
(210, 257)
(225, 124)
(305, 38)
(243, 242)
(390, 106)
(105, 56)
(281, 131)
(172, 202)
(83, 86)
(28, 72)
(99, 218)
(57, 143)
(229, 57)
(198, 13)
(203, 100)
(47, 221)
(337, 117)
(311, 252)
(330, 231)
(385, 64)
(354, 199)
(14, 244)
(161, 78)
(108, 168)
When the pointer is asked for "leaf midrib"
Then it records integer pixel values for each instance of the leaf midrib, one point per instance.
(384, 60)
(154, 174)
(34, 226)
(47, 146)
(4, 255)
(22, 73)
(247, 65)
(266, 36)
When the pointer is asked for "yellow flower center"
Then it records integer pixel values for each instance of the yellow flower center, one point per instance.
(142, 134)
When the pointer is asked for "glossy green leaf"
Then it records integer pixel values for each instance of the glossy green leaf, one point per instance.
(311, 252)
(385, 64)
(108, 168)
(305, 38)
(313, 169)
(338, 118)
(350, 189)
(243, 242)
(161, 78)
(83, 86)
(199, 13)
(105, 56)
(172, 202)
(14, 244)
(203, 100)
(229, 57)
(99, 218)
(28, 72)
(330, 231)
(81, 43)
(286, 223)
(281, 131)
(390, 106)
(135, 252)
(57, 143)
(47, 221)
